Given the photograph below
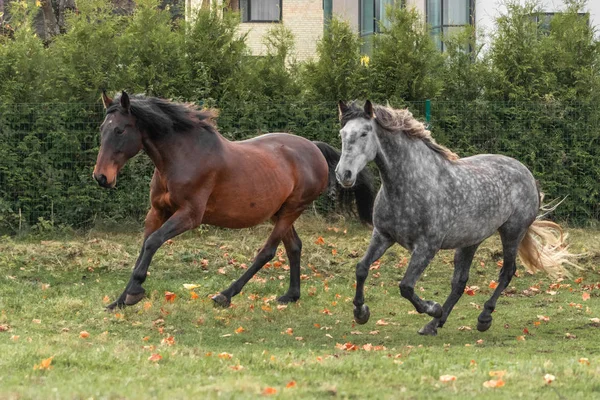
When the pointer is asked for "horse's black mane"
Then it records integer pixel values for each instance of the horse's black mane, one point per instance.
(160, 117)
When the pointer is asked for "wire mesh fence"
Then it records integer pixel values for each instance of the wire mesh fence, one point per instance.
(48, 151)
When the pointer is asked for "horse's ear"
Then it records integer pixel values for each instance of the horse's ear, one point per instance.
(342, 108)
(125, 103)
(369, 109)
(107, 101)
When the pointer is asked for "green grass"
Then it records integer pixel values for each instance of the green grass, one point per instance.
(113, 363)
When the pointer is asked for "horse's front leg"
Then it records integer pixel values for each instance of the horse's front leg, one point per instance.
(181, 221)
(419, 260)
(154, 220)
(377, 247)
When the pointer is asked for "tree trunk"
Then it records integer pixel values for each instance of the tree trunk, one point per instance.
(46, 23)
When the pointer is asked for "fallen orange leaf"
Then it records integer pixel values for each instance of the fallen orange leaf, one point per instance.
(493, 284)
(45, 364)
(240, 330)
(320, 240)
(578, 280)
(169, 341)
(584, 361)
(170, 297)
(291, 384)
(381, 322)
(521, 338)
(225, 356)
(84, 334)
(155, 357)
(585, 296)
(194, 295)
(494, 383)
(549, 378)
(447, 378)
(269, 391)
(105, 299)
(499, 374)
(147, 305)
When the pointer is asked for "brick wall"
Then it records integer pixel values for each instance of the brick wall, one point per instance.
(303, 17)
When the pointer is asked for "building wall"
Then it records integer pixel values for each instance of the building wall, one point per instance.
(486, 11)
(350, 10)
(304, 18)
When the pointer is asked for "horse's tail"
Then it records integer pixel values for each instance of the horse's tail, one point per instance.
(363, 192)
(544, 247)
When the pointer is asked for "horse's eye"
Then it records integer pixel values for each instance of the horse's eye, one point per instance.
(364, 134)
(119, 131)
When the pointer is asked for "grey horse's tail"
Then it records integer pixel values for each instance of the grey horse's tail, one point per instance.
(544, 246)
(362, 193)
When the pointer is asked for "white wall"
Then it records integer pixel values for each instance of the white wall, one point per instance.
(486, 11)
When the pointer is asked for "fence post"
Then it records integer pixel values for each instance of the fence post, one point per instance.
(428, 111)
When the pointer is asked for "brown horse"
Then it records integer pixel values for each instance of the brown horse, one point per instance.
(203, 178)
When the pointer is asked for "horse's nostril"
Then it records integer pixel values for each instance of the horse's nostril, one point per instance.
(101, 179)
(347, 175)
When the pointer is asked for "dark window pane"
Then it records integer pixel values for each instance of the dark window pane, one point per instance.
(434, 12)
(264, 10)
(456, 12)
(367, 16)
(260, 10)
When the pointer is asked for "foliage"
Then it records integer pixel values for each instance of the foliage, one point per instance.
(405, 62)
(531, 93)
(337, 73)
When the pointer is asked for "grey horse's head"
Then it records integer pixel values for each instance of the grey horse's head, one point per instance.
(359, 142)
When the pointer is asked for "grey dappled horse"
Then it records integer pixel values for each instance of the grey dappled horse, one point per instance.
(430, 199)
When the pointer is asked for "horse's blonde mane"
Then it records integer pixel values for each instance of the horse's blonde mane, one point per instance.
(402, 120)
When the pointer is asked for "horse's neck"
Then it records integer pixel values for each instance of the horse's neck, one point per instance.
(170, 153)
(404, 162)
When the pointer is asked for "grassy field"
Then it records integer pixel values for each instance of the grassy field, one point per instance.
(56, 341)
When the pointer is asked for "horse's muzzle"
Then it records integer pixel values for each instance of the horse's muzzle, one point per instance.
(103, 181)
(346, 179)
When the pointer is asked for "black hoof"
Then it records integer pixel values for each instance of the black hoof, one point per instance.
(114, 305)
(221, 300)
(483, 326)
(288, 299)
(132, 299)
(362, 314)
(436, 311)
(429, 330)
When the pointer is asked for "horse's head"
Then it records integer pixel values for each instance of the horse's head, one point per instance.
(359, 142)
(120, 139)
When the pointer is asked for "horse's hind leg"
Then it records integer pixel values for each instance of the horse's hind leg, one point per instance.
(511, 239)
(293, 249)
(266, 253)
(462, 264)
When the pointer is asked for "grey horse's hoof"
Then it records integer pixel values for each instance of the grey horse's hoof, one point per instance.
(286, 298)
(362, 314)
(221, 300)
(483, 326)
(132, 299)
(429, 329)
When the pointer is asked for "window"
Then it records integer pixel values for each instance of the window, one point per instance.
(448, 16)
(373, 15)
(544, 20)
(260, 10)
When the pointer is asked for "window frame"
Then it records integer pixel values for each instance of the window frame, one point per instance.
(441, 27)
(246, 13)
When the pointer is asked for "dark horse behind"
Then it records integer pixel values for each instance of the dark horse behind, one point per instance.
(200, 177)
